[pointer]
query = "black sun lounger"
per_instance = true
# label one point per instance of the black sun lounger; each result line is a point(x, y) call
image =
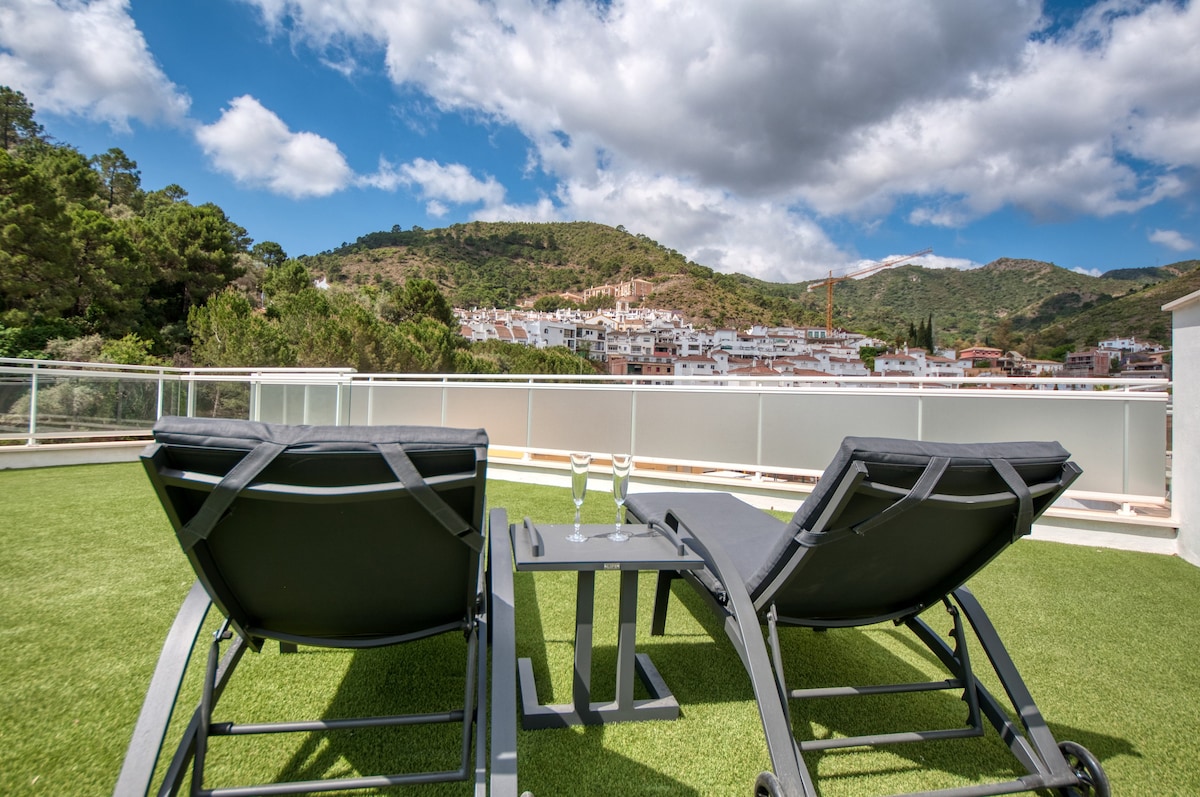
point(893, 527)
point(340, 537)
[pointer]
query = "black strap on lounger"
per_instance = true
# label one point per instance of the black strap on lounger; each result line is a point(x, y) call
point(919, 492)
point(262, 455)
point(1021, 491)
point(425, 495)
point(219, 500)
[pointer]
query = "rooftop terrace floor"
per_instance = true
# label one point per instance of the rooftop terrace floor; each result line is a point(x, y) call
point(91, 576)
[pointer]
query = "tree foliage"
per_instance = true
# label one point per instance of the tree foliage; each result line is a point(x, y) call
point(17, 125)
point(87, 254)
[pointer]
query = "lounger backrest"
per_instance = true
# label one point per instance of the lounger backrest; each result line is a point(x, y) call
point(894, 525)
point(324, 544)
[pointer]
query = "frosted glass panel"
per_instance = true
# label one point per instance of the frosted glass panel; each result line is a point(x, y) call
point(804, 430)
point(396, 404)
point(1092, 429)
point(582, 420)
point(281, 403)
point(709, 427)
point(1147, 448)
point(502, 410)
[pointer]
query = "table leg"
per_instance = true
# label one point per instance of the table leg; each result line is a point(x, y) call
point(626, 635)
point(585, 603)
point(630, 664)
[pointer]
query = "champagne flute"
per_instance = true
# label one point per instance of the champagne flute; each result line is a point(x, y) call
point(579, 477)
point(621, 465)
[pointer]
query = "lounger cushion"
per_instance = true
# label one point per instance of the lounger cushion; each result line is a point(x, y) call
point(747, 534)
point(761, 546)
point(237, 434)
point(277, 560)
point(879, 453)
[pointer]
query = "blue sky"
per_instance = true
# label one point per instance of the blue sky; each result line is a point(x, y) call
point(782, 140)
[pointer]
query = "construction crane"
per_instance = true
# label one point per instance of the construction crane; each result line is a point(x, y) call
point(829, 282)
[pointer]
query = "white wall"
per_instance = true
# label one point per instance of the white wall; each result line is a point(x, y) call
point(1185, 464)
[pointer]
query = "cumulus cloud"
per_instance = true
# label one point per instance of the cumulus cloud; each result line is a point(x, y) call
point(254, 146)
point(440, 185)
point(1172, 239)
point(451, 182)
point(86, 59)
point(718, 228)
point(768, 117)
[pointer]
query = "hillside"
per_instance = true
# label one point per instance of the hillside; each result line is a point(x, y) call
point(105, 269)
point(1140, 313)
point(968, 305)
point(500, 263)
point(1014, 301)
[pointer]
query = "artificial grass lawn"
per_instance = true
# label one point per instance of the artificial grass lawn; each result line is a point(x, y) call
point(91, 576)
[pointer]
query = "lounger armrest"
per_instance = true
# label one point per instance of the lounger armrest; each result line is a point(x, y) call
point(137, 770)
point(502, 620)
point(666, 530)
point(743, 629)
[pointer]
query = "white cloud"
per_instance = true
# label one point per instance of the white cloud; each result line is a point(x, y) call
point(541, 211)
point(714, 227)
point(451, 183)
point(1172, 239)
point(728, 130)
point(254, 146)
point(87, 59)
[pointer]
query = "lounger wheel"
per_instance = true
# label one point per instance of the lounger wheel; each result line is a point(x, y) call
point(1092, 780)
point(767, 785)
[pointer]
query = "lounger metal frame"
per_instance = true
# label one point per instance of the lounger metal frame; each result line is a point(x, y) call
point(1067, 766)
point(137, 772)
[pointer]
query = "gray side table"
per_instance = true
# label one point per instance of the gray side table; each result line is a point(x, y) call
point(546, 548)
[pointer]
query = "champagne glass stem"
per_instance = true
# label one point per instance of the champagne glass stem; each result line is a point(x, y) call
point(621, 466)
point(579, 475)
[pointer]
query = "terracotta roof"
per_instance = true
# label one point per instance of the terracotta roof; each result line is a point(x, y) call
point(754, 370)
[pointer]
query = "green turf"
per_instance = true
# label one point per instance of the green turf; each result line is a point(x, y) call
point(90, 578)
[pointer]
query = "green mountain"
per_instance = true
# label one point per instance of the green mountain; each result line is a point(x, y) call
point(1005, 297)
point(500, 263)
point(1016, 303)
point(103, 268)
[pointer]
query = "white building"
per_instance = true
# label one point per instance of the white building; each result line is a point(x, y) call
point(546, 334)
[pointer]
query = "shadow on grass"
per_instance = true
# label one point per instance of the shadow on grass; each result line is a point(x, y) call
point(428, 676)
point(576, 760)
point(855, 657)
point(416, 677)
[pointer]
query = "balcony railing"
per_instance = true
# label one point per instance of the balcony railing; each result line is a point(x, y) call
point(787, 426)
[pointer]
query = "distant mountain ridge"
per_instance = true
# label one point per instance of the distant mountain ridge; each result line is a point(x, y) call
point(1009, 301)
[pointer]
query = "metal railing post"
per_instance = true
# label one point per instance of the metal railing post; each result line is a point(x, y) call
point(758, 453)
point(633, 394)
point(33, 391)
point(158, 409)
point(529, 415)
point(445, 397)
